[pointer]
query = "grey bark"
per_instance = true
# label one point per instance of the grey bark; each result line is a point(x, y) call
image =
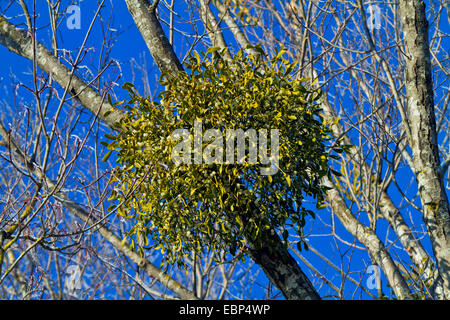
point(387, 208)
point(283, 271)
point(423, 139)
point(412, 245)
point(233, 27)
point(212, 26)
point(144, 15)
point(274, 258)
point(370, 240)
point(389, 211)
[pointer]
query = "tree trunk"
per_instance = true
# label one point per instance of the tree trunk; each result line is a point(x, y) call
point(144, 15)
point(423, 139)
point(282, 269)
point(270, 253)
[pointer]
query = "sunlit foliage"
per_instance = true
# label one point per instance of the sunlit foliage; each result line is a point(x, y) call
point(185, 208)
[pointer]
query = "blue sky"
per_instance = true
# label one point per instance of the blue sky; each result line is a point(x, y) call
point(129, 49)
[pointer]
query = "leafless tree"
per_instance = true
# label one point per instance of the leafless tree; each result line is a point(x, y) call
point(384, 71)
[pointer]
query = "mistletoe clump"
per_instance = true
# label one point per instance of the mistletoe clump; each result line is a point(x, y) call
point(202, 200)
